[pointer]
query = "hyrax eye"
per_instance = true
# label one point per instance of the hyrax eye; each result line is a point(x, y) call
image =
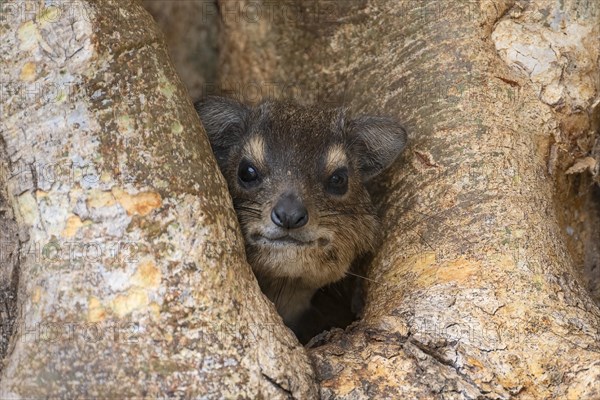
point(338, 182)
point(248, 173)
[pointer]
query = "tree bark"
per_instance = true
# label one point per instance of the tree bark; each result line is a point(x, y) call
point(473, 293)
point(132, 275)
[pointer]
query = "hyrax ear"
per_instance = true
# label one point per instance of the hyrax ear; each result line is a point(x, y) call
point(377, 141)
point(224, 121)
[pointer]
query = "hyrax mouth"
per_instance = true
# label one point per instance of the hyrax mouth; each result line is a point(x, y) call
point(287, 241)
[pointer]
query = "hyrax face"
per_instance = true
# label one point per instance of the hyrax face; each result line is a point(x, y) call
point(296, 175)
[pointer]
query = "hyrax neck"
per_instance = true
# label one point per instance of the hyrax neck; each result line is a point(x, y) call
point(291, 296)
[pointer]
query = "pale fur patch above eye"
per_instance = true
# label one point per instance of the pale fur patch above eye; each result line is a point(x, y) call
point(255, 150)
point(336, 158)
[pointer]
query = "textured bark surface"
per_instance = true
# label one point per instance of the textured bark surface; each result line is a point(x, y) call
point(132, 276)
point(478, 295)
point(557, 48)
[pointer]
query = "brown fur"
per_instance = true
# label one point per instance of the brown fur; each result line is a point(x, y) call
point(296, 150)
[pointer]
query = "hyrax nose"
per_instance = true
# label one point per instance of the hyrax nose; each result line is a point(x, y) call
point(289, 212)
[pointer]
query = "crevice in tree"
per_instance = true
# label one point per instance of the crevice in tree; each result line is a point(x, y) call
point(337, 305)
point(10, 247)
point(578, 208)
point(433, 353)
point(333, 306)
point(191, 31)
point(592, 251)
point(287, 392)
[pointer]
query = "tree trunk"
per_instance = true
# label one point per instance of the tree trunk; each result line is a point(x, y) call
point(473, 293)
point(132, 279)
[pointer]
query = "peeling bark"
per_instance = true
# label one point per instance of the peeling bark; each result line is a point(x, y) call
point(556, 46)
point(477, 294)
point(132, 276)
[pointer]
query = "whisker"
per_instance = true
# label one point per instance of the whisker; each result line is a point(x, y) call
point(333, 214)
point(248, 209)
point(365, 278)
point(241, 201)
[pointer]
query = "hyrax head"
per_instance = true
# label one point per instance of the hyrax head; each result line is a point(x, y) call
point(296, 175)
